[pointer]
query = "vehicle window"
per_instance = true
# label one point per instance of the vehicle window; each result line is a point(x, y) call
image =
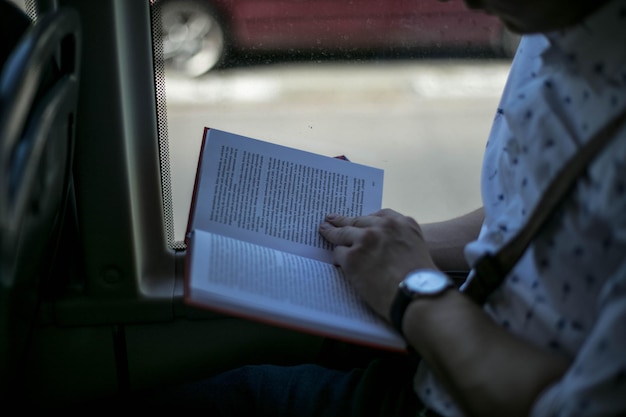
point(408, 86)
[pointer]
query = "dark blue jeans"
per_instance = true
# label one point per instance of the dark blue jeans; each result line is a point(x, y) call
point(382, 388)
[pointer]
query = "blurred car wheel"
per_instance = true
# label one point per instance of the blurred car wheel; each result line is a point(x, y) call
point(193, 37)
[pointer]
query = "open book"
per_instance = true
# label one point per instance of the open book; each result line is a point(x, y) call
point(253, 246)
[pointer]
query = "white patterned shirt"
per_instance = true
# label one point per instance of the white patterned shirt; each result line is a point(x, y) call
point(568, 292)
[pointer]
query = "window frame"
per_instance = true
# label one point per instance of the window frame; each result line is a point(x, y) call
point(130, 273)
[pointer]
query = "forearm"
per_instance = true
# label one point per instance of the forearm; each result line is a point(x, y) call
point(488, 370)
point(446, 240)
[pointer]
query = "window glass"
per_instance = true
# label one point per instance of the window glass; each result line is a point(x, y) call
point(20, 3)
point(407, 86)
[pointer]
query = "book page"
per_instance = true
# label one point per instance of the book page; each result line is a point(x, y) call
point(254, 281)
point(277, 196)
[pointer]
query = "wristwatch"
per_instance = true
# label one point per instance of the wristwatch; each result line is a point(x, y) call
point(417, 284)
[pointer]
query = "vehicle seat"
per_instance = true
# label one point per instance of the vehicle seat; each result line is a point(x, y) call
point(38, 101)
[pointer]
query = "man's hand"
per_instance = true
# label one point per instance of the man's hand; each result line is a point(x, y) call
point(376, 252)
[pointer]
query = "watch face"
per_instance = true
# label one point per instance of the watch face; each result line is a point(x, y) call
point(427, 282)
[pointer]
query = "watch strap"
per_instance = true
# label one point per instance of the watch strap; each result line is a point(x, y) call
point(399, 305)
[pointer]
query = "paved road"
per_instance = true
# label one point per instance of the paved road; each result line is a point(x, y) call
point(423, 122)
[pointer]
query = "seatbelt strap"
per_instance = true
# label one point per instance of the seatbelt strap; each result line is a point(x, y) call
point(491, 269)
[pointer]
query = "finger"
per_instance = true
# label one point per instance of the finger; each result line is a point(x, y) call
point(388, 213)
point(339, 256)
point(340, 235)
point(396, 218)
point(357, 221)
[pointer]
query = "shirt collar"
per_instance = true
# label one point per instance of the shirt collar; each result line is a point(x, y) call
point(596, 47)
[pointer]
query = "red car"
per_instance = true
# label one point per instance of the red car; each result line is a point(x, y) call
point(198, 34)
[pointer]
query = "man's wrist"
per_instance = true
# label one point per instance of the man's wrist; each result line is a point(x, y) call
point(418, 284)
point(426, 314)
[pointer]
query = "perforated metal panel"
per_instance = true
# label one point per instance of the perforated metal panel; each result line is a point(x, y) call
point(161, 108)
